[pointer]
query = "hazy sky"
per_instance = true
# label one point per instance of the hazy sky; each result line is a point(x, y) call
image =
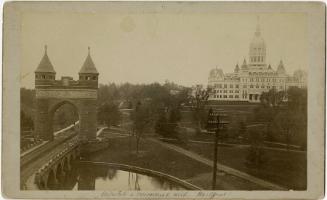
point(141, 47)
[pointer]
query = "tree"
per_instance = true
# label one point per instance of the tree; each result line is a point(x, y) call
point(26, 122)
point(168, 127)
point(109, 114)
point(142, 119)
point(272, 98)
point(161, 125)
point(255, 155)
point(199, 101)
point(285, 113)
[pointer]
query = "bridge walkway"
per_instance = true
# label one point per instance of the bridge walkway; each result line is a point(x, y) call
point(33, 161)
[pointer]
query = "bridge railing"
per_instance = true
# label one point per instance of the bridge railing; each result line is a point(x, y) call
point(70, 127)
point(37, 142)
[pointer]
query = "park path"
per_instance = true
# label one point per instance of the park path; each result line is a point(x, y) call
point(221, 167)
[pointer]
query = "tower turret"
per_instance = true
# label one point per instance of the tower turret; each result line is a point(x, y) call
point(244, 65)
point(88, 74)
point(45, 73)
point(280, 68)
point(237, 68)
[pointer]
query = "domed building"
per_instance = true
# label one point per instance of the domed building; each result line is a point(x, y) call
point(249, 80)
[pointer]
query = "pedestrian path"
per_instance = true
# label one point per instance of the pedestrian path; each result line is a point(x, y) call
point(221, 167)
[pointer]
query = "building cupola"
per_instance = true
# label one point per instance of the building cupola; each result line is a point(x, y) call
point(45, 71)
point(257, 51)
point(88, 73)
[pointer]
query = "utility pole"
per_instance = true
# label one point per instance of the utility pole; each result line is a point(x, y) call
point(213, 125)
point(214, 175)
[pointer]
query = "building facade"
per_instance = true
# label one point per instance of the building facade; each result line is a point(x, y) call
point(253, 77)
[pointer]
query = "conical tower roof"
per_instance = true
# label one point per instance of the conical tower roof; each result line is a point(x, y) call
point(45, 64)
point(244, 65)
point(88, 66)
point(280, 68)
point(237, 68)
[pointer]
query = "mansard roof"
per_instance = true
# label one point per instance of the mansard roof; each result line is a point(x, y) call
point(88, 66)
point(45, 65)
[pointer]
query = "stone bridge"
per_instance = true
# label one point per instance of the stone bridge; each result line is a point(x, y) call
point(55, 170)
point(47, 165)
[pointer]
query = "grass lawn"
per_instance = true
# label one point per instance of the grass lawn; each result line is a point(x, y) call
point(150, 156)
point(156, 157)
point(287, 169)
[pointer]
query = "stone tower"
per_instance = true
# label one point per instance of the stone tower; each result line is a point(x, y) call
point(52, 94)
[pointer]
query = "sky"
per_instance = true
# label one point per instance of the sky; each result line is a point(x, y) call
point(146, 47)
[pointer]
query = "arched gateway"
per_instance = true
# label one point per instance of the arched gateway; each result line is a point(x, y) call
point(52, 93)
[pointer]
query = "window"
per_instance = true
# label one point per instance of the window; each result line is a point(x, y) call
point(244, 86)
point(251, 86)
point(225, 85)
point(257, 86)
point(230, 96)
point(236, 96)
point(237, 91)
point(43, 76)
point(236, 86)
point(94, 78)
point(231, 85)
point(262, 86)
point(219, 85)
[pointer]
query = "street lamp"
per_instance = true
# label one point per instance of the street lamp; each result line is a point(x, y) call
point(214, 124)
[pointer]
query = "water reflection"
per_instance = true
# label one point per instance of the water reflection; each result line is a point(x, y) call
point(97, 177)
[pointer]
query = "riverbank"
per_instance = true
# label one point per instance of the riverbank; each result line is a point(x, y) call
point(156, 157)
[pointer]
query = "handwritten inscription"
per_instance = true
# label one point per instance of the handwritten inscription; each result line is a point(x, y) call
point(162, 195)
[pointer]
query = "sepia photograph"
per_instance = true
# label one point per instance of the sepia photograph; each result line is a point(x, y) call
point(164, 97)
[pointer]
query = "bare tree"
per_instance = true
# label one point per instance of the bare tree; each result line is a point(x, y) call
point(199, 100)
point(142, 120)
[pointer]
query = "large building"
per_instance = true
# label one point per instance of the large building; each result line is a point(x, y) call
point(253, 77)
